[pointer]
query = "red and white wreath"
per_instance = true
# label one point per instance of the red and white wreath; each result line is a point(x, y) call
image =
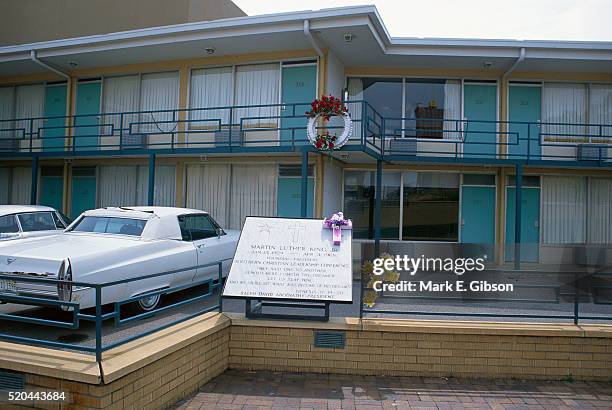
point(324, 108)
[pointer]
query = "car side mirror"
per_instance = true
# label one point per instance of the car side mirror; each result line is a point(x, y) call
point(219, 232)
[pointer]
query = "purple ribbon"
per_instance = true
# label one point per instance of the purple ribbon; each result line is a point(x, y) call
point(337, 223)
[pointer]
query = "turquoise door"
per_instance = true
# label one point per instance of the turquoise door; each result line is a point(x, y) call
point(478, 221)
point(289, 197)
point(530, 224)
point(87, 110)
point(480, 103)
point(299, 85)
point(54, 128)
point(83, 194)
point(51, 191)
point(524, 106)
point(478, 214)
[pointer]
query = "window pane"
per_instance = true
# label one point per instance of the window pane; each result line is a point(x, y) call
point(122, 226)
point(431, 207)
point(8, 224)
point(37, 221)
point(196, 227)
point(384, 95)
point(359, 202)
point(359, 198)
point(428, 101)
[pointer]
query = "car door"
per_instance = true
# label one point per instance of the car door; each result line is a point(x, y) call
point(211, 244)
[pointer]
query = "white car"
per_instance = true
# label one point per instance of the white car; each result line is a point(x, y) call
point(110, 244)
point(25, 221)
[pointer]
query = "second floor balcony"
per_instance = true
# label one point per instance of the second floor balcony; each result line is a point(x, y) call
point(282, 128)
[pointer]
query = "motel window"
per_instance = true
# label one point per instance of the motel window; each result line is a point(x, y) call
point(429, 212)
point(427, 102)
point(359, 197)
point(571, 107)
point(576, 210)
point(145, 92)
point(254, 85)
point(430, 207)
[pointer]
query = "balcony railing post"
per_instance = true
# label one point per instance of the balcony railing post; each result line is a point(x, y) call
point(151, 187)
point(121, 131)
point(378, 207)
point(528, 141)
point(220, 287)
point(576, 298)
point(231, 126)
point(518, 187)
point(34, 187)
point(31, 134)
point(98, 323)
point(304, 206)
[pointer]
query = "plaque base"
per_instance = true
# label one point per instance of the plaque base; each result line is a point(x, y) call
point(254, 310)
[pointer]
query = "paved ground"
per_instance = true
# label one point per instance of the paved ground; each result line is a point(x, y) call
point(265, 390)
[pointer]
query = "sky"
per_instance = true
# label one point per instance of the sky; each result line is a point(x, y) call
point(500, 19)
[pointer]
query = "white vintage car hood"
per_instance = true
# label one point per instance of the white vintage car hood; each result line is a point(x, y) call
point(44, 255)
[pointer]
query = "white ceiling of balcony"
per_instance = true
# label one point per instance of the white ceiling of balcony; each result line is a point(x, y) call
point(371, 46)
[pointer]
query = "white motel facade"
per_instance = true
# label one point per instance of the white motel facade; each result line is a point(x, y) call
point(210, 115)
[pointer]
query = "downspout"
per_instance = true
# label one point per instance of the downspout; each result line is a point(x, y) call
point(68, 123)
point(34, 58)
point(502, 214)
point(518, 61)
point(313, 41)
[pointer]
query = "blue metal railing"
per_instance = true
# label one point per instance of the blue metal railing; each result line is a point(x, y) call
point(282, 127)
point(100, 315)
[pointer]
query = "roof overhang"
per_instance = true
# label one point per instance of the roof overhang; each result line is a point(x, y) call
point(372, 46)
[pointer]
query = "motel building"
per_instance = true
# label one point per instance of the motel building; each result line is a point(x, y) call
point(498, 148)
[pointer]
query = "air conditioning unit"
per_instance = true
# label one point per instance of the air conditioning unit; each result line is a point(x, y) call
point(403, 145)
point(590, 152)
point(222, 137)
point(9, 145)
point(134, 141)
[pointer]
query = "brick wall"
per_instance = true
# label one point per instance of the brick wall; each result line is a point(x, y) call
point(405, 353)
point(157, 385)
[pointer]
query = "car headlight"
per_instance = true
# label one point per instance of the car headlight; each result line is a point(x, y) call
point(64, 290)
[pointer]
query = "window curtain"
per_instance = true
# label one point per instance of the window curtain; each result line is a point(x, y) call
point(21, 184)
point(600, 112)
point(7, 95)
point(355, 91)
point(165, 185)
point(122, 186)
point(563, 209)
point(29, 103)
point(452, 110)
point(159, 91)
point(5, 184)
point(564, 103)
point(208, 189)
point(253, 192)
point(600, 211)
point(121, 95)
point(210, 87)
point(258, 85)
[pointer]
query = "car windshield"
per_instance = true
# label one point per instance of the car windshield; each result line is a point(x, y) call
point(37, 221)
point(104, 224)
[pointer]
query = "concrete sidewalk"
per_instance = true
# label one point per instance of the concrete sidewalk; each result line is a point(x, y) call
point(266, 390)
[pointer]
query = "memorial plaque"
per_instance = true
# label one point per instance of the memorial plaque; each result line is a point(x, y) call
point(283, 258)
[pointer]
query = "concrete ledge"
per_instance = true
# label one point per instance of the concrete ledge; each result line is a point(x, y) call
point(347, 323)
point(472, 327)
point(50, 362)
point(132, 356)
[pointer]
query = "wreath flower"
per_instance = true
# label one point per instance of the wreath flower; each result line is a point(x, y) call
point(326, 107)
point(367, 273)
